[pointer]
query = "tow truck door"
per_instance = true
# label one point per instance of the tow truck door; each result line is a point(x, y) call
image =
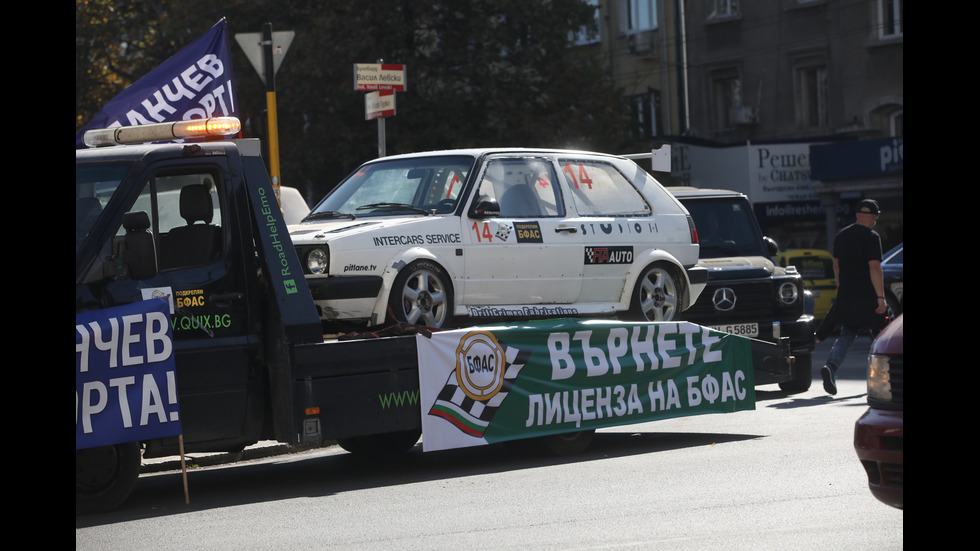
point(215, 331)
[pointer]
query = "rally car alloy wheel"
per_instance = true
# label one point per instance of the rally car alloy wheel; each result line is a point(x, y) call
point(422, 295)
point(656, 296)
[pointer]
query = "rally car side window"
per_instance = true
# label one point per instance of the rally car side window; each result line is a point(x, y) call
point(523, 188)
point(598, 189)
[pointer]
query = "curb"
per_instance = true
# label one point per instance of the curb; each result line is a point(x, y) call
point(195, 460)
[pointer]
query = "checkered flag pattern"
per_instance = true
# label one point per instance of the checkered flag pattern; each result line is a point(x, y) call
point(473, 416)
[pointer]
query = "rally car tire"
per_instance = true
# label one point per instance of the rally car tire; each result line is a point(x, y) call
point(105, 476)
point(657, 295)
point(422, 295)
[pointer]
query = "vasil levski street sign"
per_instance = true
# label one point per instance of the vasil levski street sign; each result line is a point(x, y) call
point(379, 76)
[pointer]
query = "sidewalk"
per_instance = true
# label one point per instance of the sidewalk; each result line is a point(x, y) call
point(259, 450)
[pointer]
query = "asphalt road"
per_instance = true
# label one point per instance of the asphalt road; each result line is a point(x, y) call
point(784, 476)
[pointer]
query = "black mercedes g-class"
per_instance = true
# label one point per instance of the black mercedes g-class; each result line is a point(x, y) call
point(747, 293)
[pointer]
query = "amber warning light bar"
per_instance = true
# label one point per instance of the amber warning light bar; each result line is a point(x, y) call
point(215, 127)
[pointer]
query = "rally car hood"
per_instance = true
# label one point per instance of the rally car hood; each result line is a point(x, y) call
point(738, 267)
point(325, 230)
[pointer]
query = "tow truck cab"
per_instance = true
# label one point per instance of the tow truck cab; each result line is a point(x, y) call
point(176, 219)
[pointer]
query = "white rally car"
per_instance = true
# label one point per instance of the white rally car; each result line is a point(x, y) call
point(493, 234)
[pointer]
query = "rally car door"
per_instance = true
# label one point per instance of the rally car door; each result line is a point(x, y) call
point(528, 254)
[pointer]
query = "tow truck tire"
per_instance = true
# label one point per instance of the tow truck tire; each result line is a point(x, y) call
point(379, 445)
point(105, 476)
point(422, 295)
point(571, 443)
point(803, 376)
point(657, 295)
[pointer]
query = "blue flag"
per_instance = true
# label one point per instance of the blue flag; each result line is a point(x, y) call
point(125, 375)
point(196, 83)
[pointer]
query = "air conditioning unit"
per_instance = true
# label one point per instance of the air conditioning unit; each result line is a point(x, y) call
point(640, 44)
point(743, 114)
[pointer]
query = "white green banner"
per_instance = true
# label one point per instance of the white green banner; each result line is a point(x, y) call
point(503, 382)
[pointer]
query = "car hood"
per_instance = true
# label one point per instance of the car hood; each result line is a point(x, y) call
point(325, 230)
point(739, 267)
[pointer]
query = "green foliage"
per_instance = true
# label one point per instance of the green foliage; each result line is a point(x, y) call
point(479, 73)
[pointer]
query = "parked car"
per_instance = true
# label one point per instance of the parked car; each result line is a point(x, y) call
point(891, 265)
point(488, 234)
point(817, 269)
point(878, 435)
point(747, 293)
point(294, 207)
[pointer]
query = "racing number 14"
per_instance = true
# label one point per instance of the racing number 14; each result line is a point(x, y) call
point(486, 234)
point(583, 175)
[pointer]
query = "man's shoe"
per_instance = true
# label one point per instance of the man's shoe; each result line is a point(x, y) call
point(828, 380)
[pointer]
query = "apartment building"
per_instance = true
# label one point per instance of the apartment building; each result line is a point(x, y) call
point(797, 103)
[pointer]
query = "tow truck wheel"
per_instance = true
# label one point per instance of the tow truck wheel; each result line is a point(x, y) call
point(802, 376)
point(423, 295)
point(379, 445)
point(570, 443)
point(105, 476)
point(656, 295)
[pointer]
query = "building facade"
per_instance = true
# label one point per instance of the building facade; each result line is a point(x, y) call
point(775, 98)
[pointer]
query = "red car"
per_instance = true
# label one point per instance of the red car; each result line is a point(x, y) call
point(878, 434)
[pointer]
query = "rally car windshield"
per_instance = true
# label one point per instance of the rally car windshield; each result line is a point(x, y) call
point(421, 185)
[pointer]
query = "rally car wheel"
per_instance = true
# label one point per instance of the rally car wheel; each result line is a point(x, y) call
point(656, 296)
point(422, 295)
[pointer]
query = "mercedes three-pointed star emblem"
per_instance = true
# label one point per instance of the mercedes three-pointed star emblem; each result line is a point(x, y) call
point(724, 299)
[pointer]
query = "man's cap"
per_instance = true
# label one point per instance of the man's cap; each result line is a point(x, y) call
point(868, 206)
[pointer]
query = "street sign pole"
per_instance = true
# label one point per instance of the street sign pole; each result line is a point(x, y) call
point(265, 51)
point(270, 100)
point(382, 149)
point(381, 137)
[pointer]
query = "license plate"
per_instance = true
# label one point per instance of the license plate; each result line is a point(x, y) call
point(742, 329)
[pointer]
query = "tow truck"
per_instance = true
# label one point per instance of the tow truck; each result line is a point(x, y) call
point(197, 223)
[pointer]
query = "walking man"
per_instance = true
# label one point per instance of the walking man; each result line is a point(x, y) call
point(860, 303)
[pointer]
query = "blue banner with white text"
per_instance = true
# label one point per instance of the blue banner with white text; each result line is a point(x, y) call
point(196, 83)
point(125, 375)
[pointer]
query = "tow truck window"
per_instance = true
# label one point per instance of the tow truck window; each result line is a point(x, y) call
point(185, 218)
point(94, 186)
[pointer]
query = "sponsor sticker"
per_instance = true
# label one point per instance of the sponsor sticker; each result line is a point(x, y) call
point(609, 255)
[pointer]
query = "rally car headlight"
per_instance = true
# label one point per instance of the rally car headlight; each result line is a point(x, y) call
point(788, 293)
point(317, 261)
